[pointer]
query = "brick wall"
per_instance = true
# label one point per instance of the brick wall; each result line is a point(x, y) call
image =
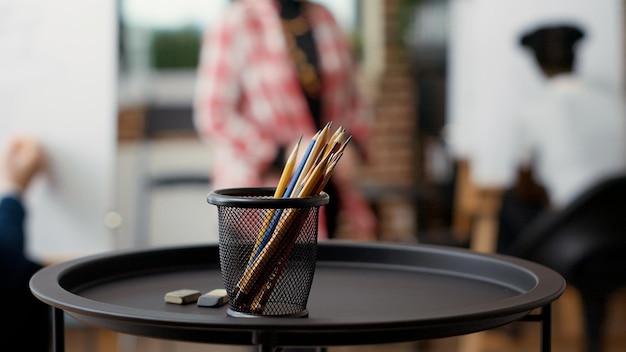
point(393, 165)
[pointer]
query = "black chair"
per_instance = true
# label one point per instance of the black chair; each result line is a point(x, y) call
point(586, 244)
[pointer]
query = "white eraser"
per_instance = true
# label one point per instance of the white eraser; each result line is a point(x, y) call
point(215, 298)
point(182, 296)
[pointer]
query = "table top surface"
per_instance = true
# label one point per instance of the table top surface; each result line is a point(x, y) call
point(362, 293)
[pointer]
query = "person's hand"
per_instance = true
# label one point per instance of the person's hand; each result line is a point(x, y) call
point(21, 160)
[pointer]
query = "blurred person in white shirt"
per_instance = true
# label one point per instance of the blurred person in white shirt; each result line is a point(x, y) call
point(568, 139)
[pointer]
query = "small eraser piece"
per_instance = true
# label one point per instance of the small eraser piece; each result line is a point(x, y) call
point(182, 296)
point(214, 298)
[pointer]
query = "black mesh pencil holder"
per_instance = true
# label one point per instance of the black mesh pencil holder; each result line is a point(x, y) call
point(267, 250)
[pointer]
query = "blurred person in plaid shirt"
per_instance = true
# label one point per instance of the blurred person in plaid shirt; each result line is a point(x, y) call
point(271, 71)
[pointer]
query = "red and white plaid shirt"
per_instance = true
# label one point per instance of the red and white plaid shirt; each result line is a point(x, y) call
point(248, 98)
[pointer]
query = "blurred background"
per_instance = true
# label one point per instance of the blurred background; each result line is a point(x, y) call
point(436, 71)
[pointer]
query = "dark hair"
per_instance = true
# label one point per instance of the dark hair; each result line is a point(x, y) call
point(553, 45)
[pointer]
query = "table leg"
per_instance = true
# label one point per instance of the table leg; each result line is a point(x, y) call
point(58, 330)
point(545, 319)
point(265, 341)
point(546, 328)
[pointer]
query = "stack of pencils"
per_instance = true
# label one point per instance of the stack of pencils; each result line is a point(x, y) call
point(305, 178)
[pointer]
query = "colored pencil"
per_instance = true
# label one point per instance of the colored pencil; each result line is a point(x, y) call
point(307, 179)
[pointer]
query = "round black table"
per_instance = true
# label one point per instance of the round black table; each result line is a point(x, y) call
point(362, 293)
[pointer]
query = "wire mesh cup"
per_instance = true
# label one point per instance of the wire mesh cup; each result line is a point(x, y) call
point(267, 250)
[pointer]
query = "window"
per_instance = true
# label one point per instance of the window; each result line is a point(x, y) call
point(162, 35)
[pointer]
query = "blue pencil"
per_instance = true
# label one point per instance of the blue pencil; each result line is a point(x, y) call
point(296, 175)
point(270, 229)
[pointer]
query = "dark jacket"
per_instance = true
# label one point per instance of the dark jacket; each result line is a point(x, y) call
point(24, 315)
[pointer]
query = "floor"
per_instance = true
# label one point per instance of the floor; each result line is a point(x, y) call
point(494, 341)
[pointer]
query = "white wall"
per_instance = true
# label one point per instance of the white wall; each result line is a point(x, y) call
point(57, 82)
point(490, 74)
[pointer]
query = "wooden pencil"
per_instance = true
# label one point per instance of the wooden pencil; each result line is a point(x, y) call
point(285, 177)
point(279, 192)
point(320, 141)
point(296, 175)
point(307, 179)
point(316, 175)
